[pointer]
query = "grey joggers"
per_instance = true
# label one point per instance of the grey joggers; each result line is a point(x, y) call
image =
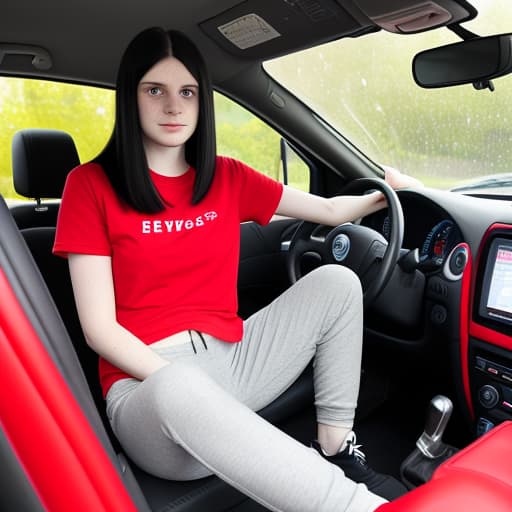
point(195, 416)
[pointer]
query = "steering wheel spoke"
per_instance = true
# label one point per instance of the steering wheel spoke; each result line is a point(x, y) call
point(374, 256)
point(310, 242)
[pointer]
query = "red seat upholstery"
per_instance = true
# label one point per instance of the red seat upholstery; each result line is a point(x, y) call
point(476, 479)
point(490, 454)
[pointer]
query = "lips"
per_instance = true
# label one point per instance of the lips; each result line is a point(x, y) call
point(172, 126)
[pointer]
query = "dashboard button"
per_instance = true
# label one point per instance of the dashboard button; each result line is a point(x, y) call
point(507, 393)
point(483, 426)
point(438, 288)
point(506, 405)
point(507, 377)
point(438, 314)
point(480, 363)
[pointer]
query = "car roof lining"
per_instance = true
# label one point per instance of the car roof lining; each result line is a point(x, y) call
point(74, 36)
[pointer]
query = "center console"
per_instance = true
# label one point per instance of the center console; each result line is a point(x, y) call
point(489, 344)
point(477, 478)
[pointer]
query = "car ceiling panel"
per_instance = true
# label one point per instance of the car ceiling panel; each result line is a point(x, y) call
point(86, 39)
point(85, 46)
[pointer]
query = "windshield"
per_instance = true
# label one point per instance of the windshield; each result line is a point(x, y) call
point(363, 87)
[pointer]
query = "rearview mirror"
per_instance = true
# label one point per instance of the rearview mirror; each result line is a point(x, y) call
point(473, 61)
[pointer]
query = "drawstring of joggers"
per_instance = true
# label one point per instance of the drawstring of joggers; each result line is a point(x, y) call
point(192, 340)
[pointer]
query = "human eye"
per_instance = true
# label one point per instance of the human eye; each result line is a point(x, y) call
point(154, 91)
point(188, 92)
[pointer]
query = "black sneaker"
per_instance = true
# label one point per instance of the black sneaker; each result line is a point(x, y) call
point(353, 463)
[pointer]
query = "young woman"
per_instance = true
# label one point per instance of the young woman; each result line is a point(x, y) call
point(151, 231)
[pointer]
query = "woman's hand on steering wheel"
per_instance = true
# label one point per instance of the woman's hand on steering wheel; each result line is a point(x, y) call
point(363, 250)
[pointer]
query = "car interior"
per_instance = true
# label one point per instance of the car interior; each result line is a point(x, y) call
point(435, 406)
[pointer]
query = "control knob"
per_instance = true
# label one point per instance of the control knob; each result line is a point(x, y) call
point(488, 396)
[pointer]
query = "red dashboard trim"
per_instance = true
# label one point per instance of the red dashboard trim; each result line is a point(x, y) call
point(478, 330)
point(52, 439)
point(468, 327)
point(490, 336)
point(464, 318)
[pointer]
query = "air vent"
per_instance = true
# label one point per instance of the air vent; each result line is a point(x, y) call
point(456, 263)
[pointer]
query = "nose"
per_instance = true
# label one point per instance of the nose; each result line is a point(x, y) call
point(172, 106)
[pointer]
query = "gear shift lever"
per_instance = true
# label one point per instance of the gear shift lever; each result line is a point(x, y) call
point(430, 451)
point(430, 443)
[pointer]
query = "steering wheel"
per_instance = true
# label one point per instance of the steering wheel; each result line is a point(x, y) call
point(362, 249)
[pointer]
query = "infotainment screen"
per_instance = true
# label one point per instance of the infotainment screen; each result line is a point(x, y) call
point(496, 297)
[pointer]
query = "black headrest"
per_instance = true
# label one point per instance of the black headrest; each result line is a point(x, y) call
point(41, 160)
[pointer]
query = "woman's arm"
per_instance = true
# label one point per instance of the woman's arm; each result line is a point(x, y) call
point(337, 210)
point(330, 211)
point(93, 289)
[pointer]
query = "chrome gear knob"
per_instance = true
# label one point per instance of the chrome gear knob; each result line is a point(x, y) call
point(430, 443)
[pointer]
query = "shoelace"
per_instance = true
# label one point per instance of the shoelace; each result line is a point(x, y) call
point(354, 449)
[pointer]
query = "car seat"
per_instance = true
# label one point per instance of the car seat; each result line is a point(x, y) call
point(41, 160)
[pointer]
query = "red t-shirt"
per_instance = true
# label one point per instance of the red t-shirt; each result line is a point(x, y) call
point(174, 270)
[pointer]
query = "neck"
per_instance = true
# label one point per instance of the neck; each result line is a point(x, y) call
point(168, 161)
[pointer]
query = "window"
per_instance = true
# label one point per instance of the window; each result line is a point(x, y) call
point(86, 113)
point(244, 136)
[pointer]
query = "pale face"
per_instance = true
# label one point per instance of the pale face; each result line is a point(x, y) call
point(168, 105)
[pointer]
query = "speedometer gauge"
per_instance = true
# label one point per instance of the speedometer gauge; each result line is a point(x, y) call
point(438, 243)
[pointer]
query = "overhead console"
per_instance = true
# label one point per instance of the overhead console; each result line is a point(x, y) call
point(408, 17)
point(489, 353)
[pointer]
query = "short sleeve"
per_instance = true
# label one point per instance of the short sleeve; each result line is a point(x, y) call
point(81, 224)
point(259, 194)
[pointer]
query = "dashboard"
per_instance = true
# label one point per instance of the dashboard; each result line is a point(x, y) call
point(464, 316)
point(427, 228)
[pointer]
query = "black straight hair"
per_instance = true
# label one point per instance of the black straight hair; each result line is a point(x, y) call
point(123, 159)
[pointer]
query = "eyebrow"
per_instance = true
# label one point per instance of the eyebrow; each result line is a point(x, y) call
point(163, 85)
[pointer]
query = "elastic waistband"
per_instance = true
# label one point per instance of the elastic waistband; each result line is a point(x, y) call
point(181, 338)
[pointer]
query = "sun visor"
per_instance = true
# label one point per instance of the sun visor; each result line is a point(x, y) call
point(268, 28)
point(409, 17)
